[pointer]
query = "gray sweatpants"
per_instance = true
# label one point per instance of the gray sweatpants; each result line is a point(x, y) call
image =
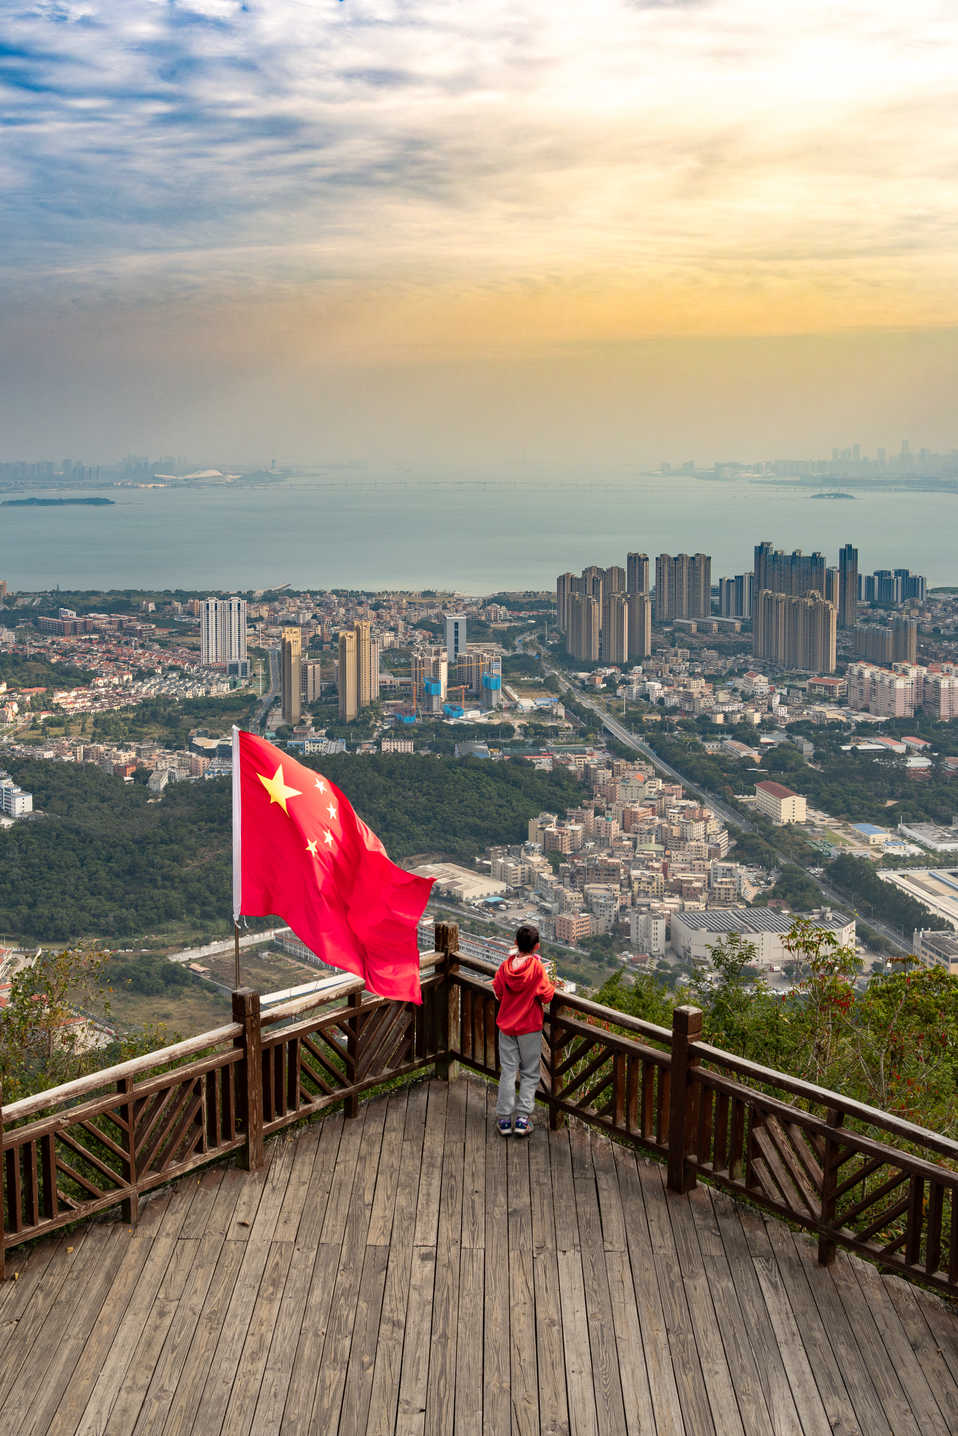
point(518, 1056)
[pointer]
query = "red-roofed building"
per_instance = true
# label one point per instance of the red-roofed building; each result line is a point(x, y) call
point(780, 803)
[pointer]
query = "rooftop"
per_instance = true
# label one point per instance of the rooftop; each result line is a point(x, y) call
point(752, 919)
point(409, 1271)
point(775, 790)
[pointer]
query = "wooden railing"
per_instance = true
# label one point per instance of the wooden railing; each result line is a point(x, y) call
point(107, 1138)
point(856, 1177)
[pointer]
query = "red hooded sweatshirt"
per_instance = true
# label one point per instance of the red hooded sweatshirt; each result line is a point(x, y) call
point(522, 988)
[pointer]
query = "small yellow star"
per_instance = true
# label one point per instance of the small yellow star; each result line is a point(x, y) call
point(332, 810)
point(320, 785)
point(311, 847)
point(278, 790)
point(329, 838)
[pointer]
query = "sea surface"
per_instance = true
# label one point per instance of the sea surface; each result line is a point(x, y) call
point(475, 534)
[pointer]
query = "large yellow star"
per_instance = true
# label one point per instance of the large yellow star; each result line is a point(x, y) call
point(277, 789)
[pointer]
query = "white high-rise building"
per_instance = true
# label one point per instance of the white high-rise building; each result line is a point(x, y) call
point(223, 634)
point(14, 802)
point(455, 635)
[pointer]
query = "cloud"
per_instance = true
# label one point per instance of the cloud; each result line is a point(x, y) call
point(153, 149)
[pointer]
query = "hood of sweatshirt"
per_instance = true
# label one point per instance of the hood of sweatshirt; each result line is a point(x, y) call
point(519, 970)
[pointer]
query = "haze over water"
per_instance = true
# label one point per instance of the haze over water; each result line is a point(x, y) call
point(474, 534)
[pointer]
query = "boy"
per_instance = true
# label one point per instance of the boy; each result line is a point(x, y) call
point(522, 987)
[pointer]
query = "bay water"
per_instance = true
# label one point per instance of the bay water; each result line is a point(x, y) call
point(474, 534)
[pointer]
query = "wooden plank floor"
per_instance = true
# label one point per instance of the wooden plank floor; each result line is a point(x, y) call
point(410, 1271)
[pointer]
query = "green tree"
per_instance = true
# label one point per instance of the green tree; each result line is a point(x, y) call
point(818, 1022)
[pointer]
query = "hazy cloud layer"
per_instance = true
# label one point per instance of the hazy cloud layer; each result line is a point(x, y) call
point(459, 228)
point(159, 149)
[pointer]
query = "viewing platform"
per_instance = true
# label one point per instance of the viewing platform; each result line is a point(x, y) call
point(393, 1265)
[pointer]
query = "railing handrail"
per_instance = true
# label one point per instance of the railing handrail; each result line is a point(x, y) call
point(769, 1076)
point(581, 1004)
point(133, 1067)
point(707, 1112)
point(826, 1097)
point(345, 988)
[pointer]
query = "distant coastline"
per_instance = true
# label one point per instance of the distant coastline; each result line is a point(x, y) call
point(835, 495)
point(52, 503)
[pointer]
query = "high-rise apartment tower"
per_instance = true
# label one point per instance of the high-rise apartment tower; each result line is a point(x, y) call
point(794, 573)
point(683, 586)
point(847, 586)
point(795, 630)
point(223, 633)
point(292, 677)
point(640, 625)
point(583, 636)
point(615, 628)
point(637, 573)
point(455, 635)
point(347, 678)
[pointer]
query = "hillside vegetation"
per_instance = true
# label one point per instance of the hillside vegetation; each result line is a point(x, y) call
point(103, 861)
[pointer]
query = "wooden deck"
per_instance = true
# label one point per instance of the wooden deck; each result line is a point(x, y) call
point(410, 1271)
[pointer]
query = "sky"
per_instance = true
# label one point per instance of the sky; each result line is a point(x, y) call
point(477, 233)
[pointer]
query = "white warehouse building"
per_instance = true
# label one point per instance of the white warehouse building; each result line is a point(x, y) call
point(693, 933)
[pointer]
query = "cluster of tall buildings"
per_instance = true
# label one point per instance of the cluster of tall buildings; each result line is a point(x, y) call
point(891, 586)
point(301, 677)
point(798, 605)
point(900, 691)
point(440, 685)
point(606, 613)
point(735, 596)
point(895, 642)
point(223, 634)
point(357, 675)
point(795, 630)
point(798, 574)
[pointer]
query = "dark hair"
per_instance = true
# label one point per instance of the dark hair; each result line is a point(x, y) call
point(527, 938)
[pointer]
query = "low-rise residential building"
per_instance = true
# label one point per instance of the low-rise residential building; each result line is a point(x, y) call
point(779, 803)
point(572, 927)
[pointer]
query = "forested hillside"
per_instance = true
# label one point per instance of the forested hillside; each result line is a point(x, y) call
point(104, 861)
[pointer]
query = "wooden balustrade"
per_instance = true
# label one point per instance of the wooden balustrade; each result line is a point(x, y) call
point(859, 1178)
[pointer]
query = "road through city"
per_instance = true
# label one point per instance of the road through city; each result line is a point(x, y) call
point(728, 815)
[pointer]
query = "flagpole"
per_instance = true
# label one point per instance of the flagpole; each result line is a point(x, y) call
point(237, 857)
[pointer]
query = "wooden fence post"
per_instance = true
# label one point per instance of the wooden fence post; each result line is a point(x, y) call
point(686, 1029)
point(355, 1002)
point(3, 1202)
point(131, 1205)
point(446, 941)
point(826, 1247)
point(246, 1011)
point(557, 1118)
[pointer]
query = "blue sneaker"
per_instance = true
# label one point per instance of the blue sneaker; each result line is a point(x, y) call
point(504, 1126)
point(522, 1127)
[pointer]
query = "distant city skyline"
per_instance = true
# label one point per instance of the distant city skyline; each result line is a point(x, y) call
point(457, 235)
point(91, 469)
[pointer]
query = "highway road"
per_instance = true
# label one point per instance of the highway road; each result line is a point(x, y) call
point(272, 693)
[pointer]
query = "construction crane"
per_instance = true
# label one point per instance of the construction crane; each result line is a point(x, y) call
point(413, 685)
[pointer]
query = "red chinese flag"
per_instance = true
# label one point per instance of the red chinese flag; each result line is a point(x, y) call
point(301, 852)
